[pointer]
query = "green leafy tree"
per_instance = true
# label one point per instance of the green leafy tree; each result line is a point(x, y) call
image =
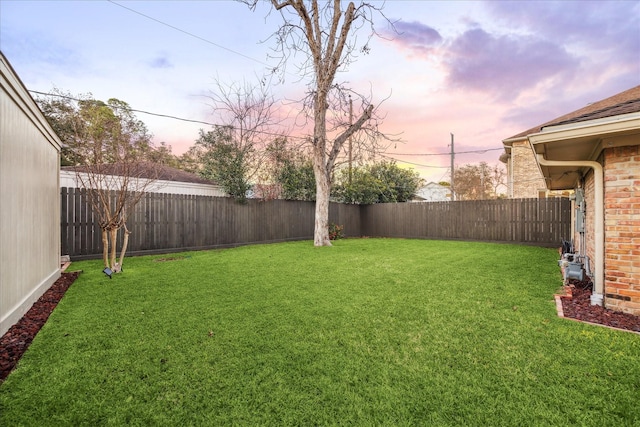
point(400, 184)
point(382, 182)
point(62, 113)
point(297, 180)
point(163, 155)
point(225, 161)
point(292, 171)
point(192, 159)
point(362, 189)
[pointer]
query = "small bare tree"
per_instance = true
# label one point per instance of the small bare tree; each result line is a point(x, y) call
point(108, 149)
point(324, 33)
point(113, 190)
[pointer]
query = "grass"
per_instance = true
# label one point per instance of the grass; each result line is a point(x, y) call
point(368, 332)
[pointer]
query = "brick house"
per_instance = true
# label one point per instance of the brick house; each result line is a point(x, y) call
point(597, 149)
point(524, 179)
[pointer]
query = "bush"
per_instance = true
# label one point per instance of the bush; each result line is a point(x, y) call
point(335, 231)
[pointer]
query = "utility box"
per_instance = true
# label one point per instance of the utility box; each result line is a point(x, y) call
point(574, 270)
point(580, 221)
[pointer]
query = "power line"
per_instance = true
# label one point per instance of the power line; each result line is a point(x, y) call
point(414, 164)
point(188, 33)
point(448, 154)
point(130, 109)
point(173, 27)
point(168, 116)
point(163, 115)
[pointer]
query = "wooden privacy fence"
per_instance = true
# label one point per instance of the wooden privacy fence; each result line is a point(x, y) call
point(542, 222)
point(174, 222)
point(169, 222)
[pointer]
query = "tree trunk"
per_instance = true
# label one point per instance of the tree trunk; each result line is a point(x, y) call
point(113, 234)
point(323, 192)
point(125, 242)
point(105, 248)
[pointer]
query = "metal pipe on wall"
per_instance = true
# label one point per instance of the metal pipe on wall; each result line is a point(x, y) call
point(597, 297)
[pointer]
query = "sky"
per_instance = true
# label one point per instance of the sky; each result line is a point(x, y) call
point(480, 70)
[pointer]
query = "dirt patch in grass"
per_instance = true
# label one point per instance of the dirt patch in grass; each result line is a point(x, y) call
point(177, 258)
point(17, 339)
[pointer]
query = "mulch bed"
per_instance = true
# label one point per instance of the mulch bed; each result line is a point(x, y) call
point(577, 305)
point(18, 338)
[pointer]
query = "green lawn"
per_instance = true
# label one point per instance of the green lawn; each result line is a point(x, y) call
point(367, 332)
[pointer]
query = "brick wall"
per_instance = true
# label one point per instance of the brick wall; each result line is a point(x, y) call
point(622, 228)
point(527, 179)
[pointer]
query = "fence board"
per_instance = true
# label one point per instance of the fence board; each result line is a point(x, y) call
point(543, 222)
point(166, 222)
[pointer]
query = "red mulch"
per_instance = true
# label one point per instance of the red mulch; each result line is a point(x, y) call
point(18, 338)
point(578, 306)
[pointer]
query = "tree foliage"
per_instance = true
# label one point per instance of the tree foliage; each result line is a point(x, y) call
point(111, 152)
point(478, 181)
point(382, 182)
point(192, 160)
point(225, 161)
point(163, 155)
point(292, 171)
point(297, 180)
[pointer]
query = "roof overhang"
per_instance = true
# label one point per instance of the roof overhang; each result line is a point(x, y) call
point(581, 141)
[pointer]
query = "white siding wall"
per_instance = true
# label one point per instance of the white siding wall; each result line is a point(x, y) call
point(433, 192)
point(29, 201)
point(69, 179)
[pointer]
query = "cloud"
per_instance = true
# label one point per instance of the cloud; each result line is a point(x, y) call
point(504, 66)
point(160, 62)
point(602, 37)
point(524, 47)
point(606, 28)
point(561, 101)
point(416, 36)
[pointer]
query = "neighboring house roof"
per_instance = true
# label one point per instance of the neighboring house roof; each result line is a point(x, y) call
point(621, 103)
point(433, 192)
point(155, 178)
point(148, 171)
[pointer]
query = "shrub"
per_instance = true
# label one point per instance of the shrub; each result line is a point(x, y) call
point(335, 231)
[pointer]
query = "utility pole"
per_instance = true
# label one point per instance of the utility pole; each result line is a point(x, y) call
point(453, 155)
point(350, 140)
point(482, 181)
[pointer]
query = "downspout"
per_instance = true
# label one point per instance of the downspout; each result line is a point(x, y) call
point(597, 297)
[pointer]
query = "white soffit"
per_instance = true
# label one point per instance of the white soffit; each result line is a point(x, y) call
point(580, 141)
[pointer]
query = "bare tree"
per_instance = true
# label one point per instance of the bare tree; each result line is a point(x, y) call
point(233, 152)
point(498, 179)
point(108, 148)
point(478, 181)
point(324, 33)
